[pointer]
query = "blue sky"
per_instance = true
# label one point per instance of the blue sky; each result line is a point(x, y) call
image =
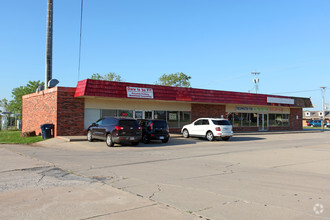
point(218, 43)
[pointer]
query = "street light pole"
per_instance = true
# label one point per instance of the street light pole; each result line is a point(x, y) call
point(49, 43)
point(323, 107)
point(255, 80)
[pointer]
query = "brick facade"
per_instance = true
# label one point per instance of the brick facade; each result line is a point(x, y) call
point(70, 114)
point(207, 110)
point(60, 107)
point(54, 106)
point(296, 124)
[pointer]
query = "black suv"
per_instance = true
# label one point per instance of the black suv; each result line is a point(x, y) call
point(115, 130)
point(154, 129)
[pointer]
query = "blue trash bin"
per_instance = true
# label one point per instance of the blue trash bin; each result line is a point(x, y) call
point(47, 130)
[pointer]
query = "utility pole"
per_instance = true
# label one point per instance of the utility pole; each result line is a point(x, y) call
point(323, 107)
point(256, 81)
point(49, 43)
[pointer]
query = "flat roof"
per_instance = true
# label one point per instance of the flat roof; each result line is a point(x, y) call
point(112, 89)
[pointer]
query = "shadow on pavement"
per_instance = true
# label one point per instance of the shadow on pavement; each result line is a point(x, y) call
point(178, 141)
point(171, 142)
point(186, 141)
point(238, 139)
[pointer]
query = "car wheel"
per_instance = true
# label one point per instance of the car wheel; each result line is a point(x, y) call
point(209, 136)
point(90, 136)
point(225, 138)
point(109, 140)
point(312, 125)
point(165, 140)
point(135, 143)
point(185, 133)
point(145, 139)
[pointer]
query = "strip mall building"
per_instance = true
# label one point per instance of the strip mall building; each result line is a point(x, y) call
point(72, 110)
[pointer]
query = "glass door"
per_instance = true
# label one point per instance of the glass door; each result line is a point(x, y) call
point(263, 122)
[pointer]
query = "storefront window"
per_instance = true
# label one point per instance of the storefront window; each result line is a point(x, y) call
point(243, 119)
point(253, 119)
point(278, 120)
point(160, 115)
point(108, 112)
point(125, 113)
point(173, 119)
point(184, 118)
point(285, 120)
point(236, 121)
point(138, 114)
point(272, 120)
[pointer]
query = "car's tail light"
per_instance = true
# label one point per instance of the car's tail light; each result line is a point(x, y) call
point(151, 126)
point(140, 128)
point(218, 129)
point(119, 128)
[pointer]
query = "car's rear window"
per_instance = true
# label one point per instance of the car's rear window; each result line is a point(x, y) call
point(159, 124)
point(221, 122)
point(131, 123)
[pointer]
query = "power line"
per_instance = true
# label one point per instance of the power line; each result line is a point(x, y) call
point(81, 19)
point(295, 91)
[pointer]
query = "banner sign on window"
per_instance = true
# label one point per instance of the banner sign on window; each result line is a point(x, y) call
point(142, 93)
point(172, 116)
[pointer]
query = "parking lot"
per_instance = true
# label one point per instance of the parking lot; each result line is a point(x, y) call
point(268, 176)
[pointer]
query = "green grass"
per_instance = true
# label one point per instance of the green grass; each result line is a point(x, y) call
point(14, 137)
point(317, 128)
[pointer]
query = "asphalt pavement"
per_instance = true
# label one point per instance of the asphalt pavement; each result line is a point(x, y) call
point(254, 176)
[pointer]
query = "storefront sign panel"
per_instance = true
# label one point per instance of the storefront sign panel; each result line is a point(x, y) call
point(142, 93)
point(260, 109)
point(280, 100)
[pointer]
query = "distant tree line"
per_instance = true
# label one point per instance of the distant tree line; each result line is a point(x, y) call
point(15, 105)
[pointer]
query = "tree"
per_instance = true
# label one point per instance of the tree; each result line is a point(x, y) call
point(4, 105)
point(15, 105)
point(108, 77)
point(174, 79)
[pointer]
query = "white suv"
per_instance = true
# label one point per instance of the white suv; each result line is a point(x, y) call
point(210, 128)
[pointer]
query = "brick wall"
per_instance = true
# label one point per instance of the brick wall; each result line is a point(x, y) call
point(54, 106)
point(39, 108)
point(70, 113)
point(206, 111)
point(296, 124)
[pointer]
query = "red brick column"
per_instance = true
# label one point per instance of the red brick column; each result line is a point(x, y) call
point(206, 111)
point(70, 113)
point(296, 124)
